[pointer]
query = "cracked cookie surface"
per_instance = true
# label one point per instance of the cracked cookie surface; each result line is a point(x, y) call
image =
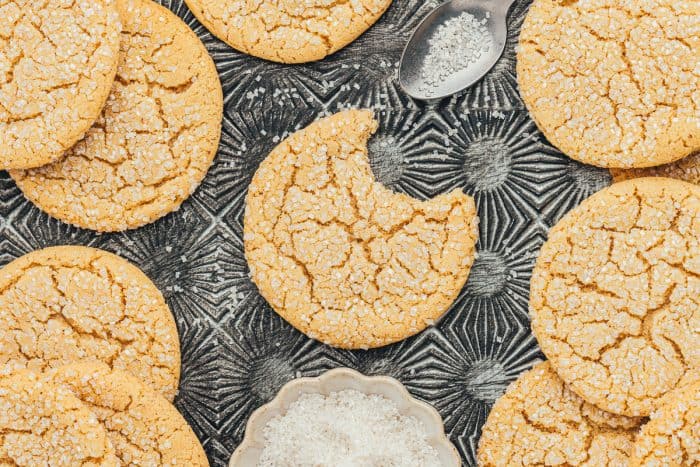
point(45, 424)
point(615, 294)
point(288, 31)
point(614, 83)
point(686, 169)
point(540, 421)
point(342, 258)
point(57, 64)
point(155, 139)
point(144, 428)
point(672, 436)
point(65, 304)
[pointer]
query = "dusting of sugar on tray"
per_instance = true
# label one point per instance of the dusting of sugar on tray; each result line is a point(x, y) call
point(343, 429)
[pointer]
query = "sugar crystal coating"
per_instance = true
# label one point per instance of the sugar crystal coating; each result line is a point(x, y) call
point(614, 83)
point(288, 31)
point(342, 258)
point(144, 428)
point(57, 64)
point(64, 304)
point(615, 294)
point(45, 424)
point(155, 139)
point(540, 421)
point(672, 436)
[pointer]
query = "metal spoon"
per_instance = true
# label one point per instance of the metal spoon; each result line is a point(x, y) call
point(413, 58)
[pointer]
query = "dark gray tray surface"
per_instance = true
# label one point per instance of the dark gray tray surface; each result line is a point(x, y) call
point(236, 351)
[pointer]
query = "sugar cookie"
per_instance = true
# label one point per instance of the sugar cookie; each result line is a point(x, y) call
point(342, 258)
point(288, 32)
point(144, 428)
point(672, 436)
point(614, 83)
point(70, 303)
point(615, 294)
point(45, 424)
point(539, 421)
point(155, 140)
point(57, 65)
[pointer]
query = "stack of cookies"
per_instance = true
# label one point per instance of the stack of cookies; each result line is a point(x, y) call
point(615, 293)
point(110, 116)
point(615, 308)
point(110, 110)
point(89, 365)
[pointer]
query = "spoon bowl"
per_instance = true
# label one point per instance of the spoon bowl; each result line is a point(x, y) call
point(413, 60)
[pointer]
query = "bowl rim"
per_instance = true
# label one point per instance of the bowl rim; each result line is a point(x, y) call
point(258, 419)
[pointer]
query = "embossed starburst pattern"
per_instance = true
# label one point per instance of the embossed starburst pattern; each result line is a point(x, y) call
point(403, 149)
point(566, 184)
point(237, 352)
point(198, 394)
point(10, 197)
point(259, 353)
point(495, 155)
point(500, 278)
point(467, 367)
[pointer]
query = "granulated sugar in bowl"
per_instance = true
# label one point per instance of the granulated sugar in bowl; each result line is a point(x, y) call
point(346, 429)
point(341, 419)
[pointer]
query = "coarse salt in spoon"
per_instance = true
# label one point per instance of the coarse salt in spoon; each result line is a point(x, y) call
point(454, 47)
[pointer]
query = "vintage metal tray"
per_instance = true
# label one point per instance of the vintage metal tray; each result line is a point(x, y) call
point(236, 351)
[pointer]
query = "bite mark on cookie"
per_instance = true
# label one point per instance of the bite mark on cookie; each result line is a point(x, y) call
point(343, 258)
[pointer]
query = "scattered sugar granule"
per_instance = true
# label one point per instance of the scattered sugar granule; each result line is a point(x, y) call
point(346, 429)
point(455, 44)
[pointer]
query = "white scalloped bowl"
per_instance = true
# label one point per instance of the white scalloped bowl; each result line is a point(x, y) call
point(248, 452)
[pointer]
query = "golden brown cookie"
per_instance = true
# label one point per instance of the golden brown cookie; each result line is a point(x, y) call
point(539, 421)
point(57, 65)
point(687, 169)
point(614, 83)
point(615, 294)
point(145, 429)
point(342, 258)
point(45, 424)
point(288, 31)
point(155, 140)
point(64, 304)
point(672, 436)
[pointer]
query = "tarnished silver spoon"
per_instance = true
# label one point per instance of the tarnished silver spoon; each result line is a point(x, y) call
point(412, 74)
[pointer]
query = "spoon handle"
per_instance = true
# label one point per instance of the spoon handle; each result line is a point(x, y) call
point(506, 4)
